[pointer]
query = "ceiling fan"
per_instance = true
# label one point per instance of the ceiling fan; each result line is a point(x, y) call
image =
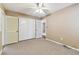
point(41, 8)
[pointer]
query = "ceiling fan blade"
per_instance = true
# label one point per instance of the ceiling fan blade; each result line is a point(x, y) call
point(48, 9)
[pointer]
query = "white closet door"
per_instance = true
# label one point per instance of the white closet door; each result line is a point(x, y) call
point(39, 28)
point(12, 29)
point(26, 28)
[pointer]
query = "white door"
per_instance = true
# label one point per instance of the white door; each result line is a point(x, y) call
point(26, 28)
point(12, 29)
point(39, 28)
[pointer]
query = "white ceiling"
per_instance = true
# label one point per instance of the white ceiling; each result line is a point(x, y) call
point(29, 8)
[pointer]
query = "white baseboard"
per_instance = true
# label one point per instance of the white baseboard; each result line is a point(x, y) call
point(63, 44)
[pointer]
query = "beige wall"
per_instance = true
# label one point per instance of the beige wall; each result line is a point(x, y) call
point(63, 26)
point(1, 6)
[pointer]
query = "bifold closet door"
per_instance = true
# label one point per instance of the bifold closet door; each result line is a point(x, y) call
point(12, 29)
point(26, 28)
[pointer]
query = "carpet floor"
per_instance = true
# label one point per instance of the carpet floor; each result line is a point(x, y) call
point(37, 47)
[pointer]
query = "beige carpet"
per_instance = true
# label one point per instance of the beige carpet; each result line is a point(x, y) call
point(37, 47)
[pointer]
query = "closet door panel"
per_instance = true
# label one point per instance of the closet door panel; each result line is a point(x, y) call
point(26, 28)
point(12, 29)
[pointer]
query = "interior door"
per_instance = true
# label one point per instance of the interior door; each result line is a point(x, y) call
point(12, 29)
point(39, 28)
point(26, 28)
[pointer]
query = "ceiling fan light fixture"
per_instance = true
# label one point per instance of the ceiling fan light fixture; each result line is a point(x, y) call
point(40, 11)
